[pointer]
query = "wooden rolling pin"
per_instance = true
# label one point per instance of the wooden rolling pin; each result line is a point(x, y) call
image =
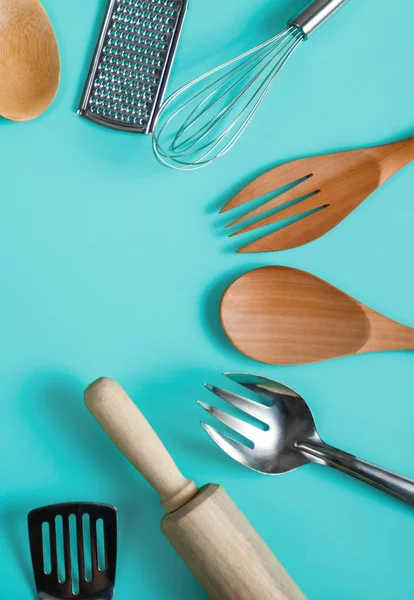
point(212, 536)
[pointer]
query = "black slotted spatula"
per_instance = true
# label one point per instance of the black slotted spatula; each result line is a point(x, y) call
point(73, 548)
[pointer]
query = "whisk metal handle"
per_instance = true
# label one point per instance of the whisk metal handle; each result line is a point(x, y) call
point(316, 14)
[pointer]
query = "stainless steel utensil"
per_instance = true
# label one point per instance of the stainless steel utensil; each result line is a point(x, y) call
point(132, 63)
point(73, 548)
point(205, 118)
point(290, 438)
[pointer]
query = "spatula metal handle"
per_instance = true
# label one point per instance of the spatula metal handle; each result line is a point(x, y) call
point(386, 481)
point(133, 435)
point(316, 14)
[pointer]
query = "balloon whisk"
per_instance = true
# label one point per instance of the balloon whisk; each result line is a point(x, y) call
point(204, 119)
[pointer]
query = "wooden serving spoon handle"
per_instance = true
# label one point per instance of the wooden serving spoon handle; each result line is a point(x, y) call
point(386, 334)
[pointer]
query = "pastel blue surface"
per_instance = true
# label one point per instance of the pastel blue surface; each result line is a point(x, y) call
point(113, 265)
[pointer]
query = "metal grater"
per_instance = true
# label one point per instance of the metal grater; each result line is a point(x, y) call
point(132, 63)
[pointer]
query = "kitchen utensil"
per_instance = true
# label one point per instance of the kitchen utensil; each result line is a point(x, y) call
point(323, 191)
point(284, 316)
point(206, 528)
point(290, 439)
point(132, 63)
point(30, 63)
point(205, 118)
point(73, 548)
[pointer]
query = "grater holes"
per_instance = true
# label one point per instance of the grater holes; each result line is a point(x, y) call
point(133, 58)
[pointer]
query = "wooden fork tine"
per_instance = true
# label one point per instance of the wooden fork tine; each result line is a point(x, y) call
point(301, 189)
point(310, 203)
point(270, 181)
point(296, 234)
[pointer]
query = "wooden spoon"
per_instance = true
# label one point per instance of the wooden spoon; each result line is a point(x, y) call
point(29, 60)
point(284, 316)
point(323, 191)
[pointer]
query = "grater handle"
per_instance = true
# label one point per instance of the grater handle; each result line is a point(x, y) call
point(316, 14)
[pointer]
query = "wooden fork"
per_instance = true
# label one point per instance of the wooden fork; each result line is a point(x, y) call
point(323, 191)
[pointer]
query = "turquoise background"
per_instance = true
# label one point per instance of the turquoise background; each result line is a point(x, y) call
point(113, 265)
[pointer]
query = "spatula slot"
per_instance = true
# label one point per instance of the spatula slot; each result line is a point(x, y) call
point(86, 528)
point(74, 557)
point(47, 563)
point(61, 566)
point(100, 534)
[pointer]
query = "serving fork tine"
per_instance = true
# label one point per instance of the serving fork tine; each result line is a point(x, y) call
point(323, 190)
point(289, 438)
point(252, 408)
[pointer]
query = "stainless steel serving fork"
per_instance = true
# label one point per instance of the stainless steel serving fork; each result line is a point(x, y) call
point(285, 436)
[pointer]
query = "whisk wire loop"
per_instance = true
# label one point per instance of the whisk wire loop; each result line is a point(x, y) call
point(270, 80)
point(217, 115)
point(216, 142)
point(224, 78)
point(248, 66)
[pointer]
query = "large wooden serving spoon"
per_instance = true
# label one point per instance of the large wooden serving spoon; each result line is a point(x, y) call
point(284, 316)
point(29, 60)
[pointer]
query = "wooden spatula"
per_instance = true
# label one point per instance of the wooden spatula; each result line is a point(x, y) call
point(284, 316)
point(323, 191)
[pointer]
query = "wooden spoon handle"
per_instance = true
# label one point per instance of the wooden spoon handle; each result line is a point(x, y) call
point(386, 334)
point(134, 436)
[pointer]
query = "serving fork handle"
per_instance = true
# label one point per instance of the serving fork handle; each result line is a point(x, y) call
point(386, 481)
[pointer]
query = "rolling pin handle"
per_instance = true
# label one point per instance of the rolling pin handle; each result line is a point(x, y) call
point(133, 435)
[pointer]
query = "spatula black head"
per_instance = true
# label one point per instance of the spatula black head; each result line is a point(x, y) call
point(73, 548)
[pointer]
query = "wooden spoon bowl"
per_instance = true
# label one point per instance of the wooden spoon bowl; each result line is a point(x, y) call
point(284, 316)
point(29, 60)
